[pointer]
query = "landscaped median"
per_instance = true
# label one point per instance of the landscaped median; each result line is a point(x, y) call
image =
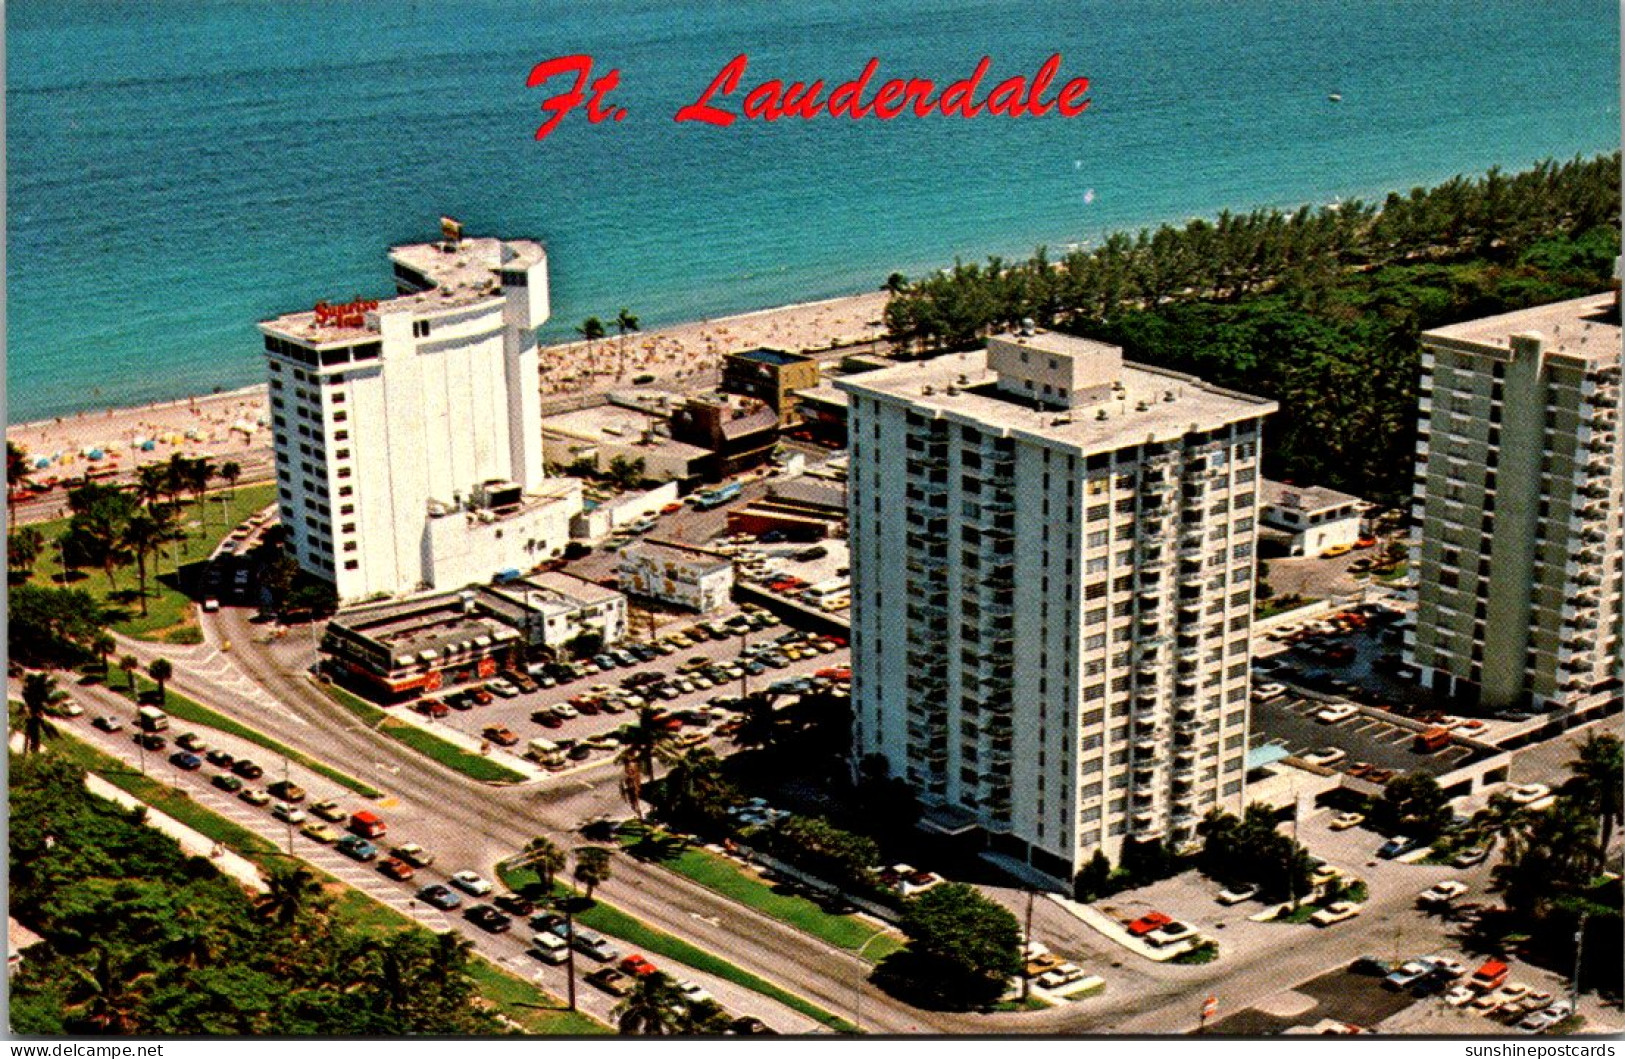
point(634, 931)
point(714, 872)
point(183, 708)
point(530, 1008)
point(424, 742)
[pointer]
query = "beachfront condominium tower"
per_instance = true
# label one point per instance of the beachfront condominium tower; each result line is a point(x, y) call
point(407, 431)
point(1517, 516)
point(1052, 589)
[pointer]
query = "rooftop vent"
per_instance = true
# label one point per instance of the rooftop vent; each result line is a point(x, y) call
point(1168, 395)
point(951, 390)
point(964, 380)
point(927, 391)
point(1140, 406)
point(1102, 414)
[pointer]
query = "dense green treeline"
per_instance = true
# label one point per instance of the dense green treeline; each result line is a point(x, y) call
point(142, 939)
point(1319, 309)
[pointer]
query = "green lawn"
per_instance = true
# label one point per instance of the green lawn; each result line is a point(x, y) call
point(183, 708)
point(634, 931)
point(170, 617)
point(474, 766)
point(727, 878)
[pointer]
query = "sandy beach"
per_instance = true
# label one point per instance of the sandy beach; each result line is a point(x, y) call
point(232, 426)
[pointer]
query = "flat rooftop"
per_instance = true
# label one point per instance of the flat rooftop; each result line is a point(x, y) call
point(614, 425)
point(1311, 498)
point(777, 357)
point(461, 274)
point(1153, 404)
point(1583, 328)
point(550, 594)
point(703, 558)
point(826, 394)
point(425, 628)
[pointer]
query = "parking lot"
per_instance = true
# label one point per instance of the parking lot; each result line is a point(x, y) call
point(701, 721)
point(1289, 721)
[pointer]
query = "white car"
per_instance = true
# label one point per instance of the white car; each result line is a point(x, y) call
point(1459, 996)
point(1170, 934)
point(1447, 964)
point(549, 948)
point(499, 686)
point(1237, 896)
point(288, 814)
point(1325, 757)
point(1342, 711)
point(1336, 912)
point(1442, 892)
point(1546, 1018)
point(1065, 974)
point(566, 712)
point(471, 882)
point(1529, 793)
point(1266, 692)
point(692, 992)
point(1344, 821)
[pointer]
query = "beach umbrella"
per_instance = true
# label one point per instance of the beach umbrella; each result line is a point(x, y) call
point(95, 454)
point(148, 445)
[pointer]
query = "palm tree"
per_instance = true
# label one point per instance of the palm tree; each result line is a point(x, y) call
point(23, 549)
point(1501, 822)
point(702, 1017)
point(545, 857)
point(108, 992)
point(632, 785)
point(645, 741)
point(103, 647)
point(760, 725)
point(591, 329)
point(624, 323)
point(231, 470)
point(592, 867)
point(199, 473)
point(289, 890)
point(160, 671)
point(129, 663)
point(143, 535)
point(1595, 781)
point(40, 699)
point(654, 1008)
point(896, 283)
point(18, 473)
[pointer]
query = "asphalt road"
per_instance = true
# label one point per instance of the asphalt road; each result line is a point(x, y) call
point(257, 466)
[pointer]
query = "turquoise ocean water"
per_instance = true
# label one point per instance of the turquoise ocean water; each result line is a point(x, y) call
point(180, 170)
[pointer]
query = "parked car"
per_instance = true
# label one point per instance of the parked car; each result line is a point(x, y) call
point(549, 948)
point(1326, 756)
point(1395, 847)
point(1407, 974)
point(488, 919)
point(247, 769)
point(219, 758)
point(288, 814)
point(1147, 923)
point(1545, 1019)
point(1459, 996)
point(319, 832)
point(357, 848)
point(611, 981)
point(227, 782)
point(1341, 711)
point(1442, 892)
point(254, 797)
point(287, 791)
point(471, 882)
point(329, 811)
point(635, 964)
point(439, 896)
point(413, 854)
point(150, 741)
point(513, 904)
point(186, 762)
point(435, 708)
point(1336, 912)
point(107, 723)
point(1529, 793)
point(1234, 895)
point(1170, 934)
point(500, 736)
point(396, 869)
point(1344, 821)
point(191, 741)
point(1469, 857)
point(502, 687)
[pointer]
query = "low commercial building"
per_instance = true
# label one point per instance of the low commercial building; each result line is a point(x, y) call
point(498, 530)
point(740, 432)
point(1310, 520)
point(605, 433)
point(402, 649)
point(551, 609)
point(823, 413)
point(771, 376)
point(679, 574)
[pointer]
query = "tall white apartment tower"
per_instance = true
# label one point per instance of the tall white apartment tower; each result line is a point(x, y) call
point(407, 432)
point(1518, 512)
point(1052, 589)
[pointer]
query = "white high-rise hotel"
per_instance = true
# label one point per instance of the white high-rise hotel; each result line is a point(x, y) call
point(408, 432)
point(1519, 518)
point(1052, 590)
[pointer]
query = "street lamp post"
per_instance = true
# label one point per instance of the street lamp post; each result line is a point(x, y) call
point(857, 986)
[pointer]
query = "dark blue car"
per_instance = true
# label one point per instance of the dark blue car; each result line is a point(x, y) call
point(440, 897)
point(182, 760)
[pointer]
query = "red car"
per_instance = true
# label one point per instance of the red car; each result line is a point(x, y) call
point(433, 708)
point(482, 696)
point(395, 869)
point(1147, 923)
point(841, 673)
point(636, 964)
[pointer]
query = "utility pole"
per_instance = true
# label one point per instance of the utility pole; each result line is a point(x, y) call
point(288, 821)
point(1026, 982)
point(744, 674)
point(1574, 983)
point(570, 956)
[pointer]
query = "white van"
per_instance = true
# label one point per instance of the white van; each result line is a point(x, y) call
point(549, 948)
point(151, 719)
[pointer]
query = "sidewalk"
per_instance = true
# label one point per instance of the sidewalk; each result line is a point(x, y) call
point(239, 868)
point(1114, 931)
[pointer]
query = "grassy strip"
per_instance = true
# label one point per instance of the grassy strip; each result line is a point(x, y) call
point(635, 932)
point(166, 800)
point(170, 617)
point(183, 708)
point(426, 743)
point(534, 1010)
point(723, 876)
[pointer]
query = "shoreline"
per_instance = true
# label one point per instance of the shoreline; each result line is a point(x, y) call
point(678, 354)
